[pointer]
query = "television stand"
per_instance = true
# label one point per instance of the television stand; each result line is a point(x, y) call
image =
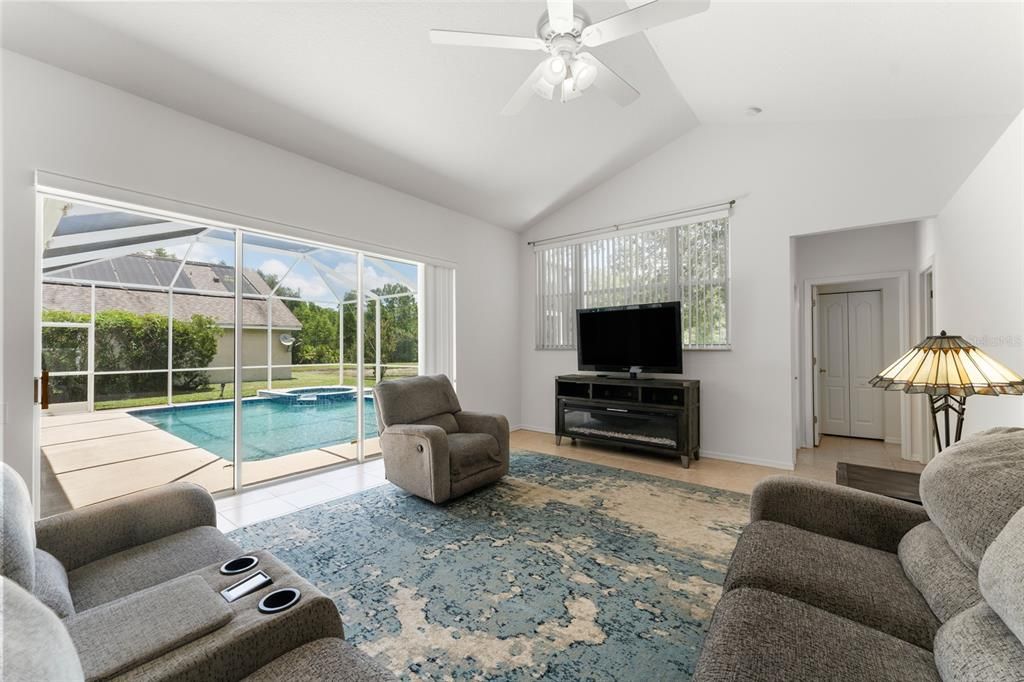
point(654, 415)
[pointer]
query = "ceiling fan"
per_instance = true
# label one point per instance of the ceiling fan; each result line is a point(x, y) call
point(563, 32)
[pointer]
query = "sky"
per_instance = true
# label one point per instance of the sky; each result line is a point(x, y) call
point(280, 257)
point(304, 276)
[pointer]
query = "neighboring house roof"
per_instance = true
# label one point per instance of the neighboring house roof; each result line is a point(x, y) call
point(117, 288)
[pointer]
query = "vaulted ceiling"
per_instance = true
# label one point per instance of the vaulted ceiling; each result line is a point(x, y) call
point(358, 86)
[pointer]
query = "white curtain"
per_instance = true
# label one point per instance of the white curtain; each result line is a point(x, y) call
point(437, 321)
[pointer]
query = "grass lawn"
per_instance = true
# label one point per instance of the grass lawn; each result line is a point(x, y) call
point(300, 377)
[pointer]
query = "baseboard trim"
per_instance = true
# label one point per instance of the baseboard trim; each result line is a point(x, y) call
point(710, 454)
point(757, 461)
point(538, 429)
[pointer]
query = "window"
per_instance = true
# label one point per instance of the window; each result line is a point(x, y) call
point(685, 262)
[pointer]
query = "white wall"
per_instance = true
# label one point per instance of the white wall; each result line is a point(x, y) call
point(853, 253)
point(56, 121)
point(978, 250)
point(791, 179)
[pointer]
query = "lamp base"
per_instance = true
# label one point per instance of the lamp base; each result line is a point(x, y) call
point(947, 404)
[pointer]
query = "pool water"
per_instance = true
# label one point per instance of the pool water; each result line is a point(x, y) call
point(270, 428)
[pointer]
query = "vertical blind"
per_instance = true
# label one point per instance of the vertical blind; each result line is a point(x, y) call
point(688, 263)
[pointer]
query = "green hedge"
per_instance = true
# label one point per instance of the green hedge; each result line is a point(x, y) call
point(128, 341)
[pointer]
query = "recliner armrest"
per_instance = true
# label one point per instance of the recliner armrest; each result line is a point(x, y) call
point(416, 458)
point(495, 425)
point(82, 536)
point(836, 511)
point(133, 630)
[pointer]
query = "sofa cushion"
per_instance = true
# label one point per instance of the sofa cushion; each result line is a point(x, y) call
point(471, 453)
point(406, 401)
point(1002, 575)
point(445, 420)
point(18, 535)
point(973, 488)
point(863, 584)
point(150, 564)
point(52, 584)
point(976, 646)
point(946, 583)
point(324, 660)
point(36, 645)
point(760, 635)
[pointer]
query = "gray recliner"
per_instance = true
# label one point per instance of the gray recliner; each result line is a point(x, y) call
point(833, 583)
point(432, 447)
point(130, 589)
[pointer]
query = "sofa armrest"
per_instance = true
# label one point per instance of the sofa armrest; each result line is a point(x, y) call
point(836, 511)
point(492, 424)
point(416, 459)
point(133, 630)
point(91, 533)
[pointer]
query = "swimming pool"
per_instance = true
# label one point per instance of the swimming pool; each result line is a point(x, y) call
point(270, 428)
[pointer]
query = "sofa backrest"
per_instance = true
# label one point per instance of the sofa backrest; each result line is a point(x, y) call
point(1001, 576)
point(986, 641)
point(972, 489)
point(17, 558)
point(36, 645)
point(414, 399)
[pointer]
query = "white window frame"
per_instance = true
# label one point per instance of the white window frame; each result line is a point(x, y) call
point(556, 324)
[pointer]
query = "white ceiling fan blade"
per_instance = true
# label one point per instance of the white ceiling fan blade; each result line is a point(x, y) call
point(470, 39)
point(525, 91)
point(560, 15)
point(610, 82)
point(639, 19)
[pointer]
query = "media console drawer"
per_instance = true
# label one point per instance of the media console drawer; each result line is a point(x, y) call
point(654, 415)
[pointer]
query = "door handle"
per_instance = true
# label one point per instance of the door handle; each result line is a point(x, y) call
point(41, 390)
point(821, 371)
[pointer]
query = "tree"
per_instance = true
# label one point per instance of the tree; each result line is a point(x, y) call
point(317, 341)
point(399, 328)
point(283, 291)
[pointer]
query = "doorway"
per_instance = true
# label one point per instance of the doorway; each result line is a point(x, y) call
point(895, 288)
point(850, 326)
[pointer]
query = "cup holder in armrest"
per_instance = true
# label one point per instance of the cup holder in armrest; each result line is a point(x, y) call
point(279, 600)
point(239, 565)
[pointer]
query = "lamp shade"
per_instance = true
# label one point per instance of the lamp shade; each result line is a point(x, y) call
point(949, 365)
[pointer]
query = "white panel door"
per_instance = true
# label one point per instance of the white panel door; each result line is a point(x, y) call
point(834, 364)
point(867, 404)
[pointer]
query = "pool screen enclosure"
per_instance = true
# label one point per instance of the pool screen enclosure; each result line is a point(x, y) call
point(144, 311)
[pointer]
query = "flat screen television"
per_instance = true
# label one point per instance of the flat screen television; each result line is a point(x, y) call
point(632, 338)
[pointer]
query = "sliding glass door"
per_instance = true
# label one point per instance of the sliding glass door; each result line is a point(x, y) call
point(218, 355)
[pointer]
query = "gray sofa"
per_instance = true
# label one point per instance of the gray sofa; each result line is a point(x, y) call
point(832, 583)
point(432, 447)
point(133, 584)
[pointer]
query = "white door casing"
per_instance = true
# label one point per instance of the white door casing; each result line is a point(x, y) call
point(815, 366)
point(867, 403)
point(834, 365)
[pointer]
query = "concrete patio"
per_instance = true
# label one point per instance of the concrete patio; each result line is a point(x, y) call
point(91, 457)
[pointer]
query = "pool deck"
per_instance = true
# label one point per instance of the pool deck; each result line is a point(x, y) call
point(90, 457)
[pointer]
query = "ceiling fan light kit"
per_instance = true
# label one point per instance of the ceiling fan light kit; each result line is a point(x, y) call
point(563, 31)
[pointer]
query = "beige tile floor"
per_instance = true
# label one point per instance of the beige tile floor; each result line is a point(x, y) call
point(818, 463)
point(88, 458)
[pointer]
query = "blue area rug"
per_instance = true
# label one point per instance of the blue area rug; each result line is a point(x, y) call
point(564, 571)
